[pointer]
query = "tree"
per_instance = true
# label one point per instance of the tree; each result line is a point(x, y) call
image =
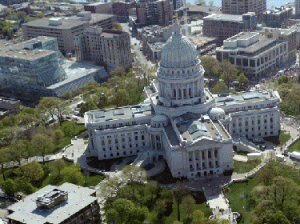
point(153, 188)
point(58, 135)
point(211, 3)
point(48, 105)
point(198, 217)
point(112, 186)
point(278, 218)
point(124, 211)
point(228, 72)
point(32, 172)
point(21, 15)
point(220, 87)
point(73, 9)
point(189, 204)
point(160, 207)
point(284, 189)
point(67, 95)
point(17, 151)
point(40, 15)
point(117, 26)
point(58, 165)
point(242, 79)
point(179, 192)
point(134, 174)
point(4, 157)
point(69, 128)
point(87, 106)
point(283, 79)
point(42, 144)
point(72, 174)
point(263, 24)
point(9, 187)
point(119, 71)
point(62, 108)
point(121, 98)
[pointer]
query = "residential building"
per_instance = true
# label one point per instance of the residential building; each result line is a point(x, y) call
point(243, 6)
point(178, 4)
point(224, 26)
point(277, 17)
point(254, 53)
point(180, 121)
point(36, 68)
point(99, 7)
point(67, 203)
point(105, 47)
point(122, 10)
point(154, 12)
point(288, 35)
point(64, 29)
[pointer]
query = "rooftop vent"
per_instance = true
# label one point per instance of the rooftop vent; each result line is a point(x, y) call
point(51, 199)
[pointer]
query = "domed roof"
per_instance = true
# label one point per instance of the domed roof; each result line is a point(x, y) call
point(216, 112)
point(178, 52)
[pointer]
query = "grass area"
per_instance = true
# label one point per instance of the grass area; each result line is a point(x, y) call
point(66, 140)
point(295, 146)
point(238, 200)
point(242, 153)
point(279, 140)
point(244, 167)
point(183, 213)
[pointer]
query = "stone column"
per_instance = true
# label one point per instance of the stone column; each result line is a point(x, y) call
point(194, 160)
point(206, 158)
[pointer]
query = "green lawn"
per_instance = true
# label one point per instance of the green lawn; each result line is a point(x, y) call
point(244, 167)
point(173, 216)
point(67, 139)
point(279, 140)
point(238, 200)
point(295, 146)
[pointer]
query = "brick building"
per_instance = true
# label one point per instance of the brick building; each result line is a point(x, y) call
point(224, 26)
point(243, 6)
point(121, 10)
point(99, 7)
point(277, 17)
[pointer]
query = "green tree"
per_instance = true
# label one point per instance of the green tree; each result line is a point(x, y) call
point(67, 95)
point(242, 79)
point(48, 105)
point(179, 193)
point(152, 188)
point(117, 26)
point(72, 174)
point(73, 9)
point(119, 71)
point(189, 204)
point(210, 65)
point(58, 165)
point(283, 79)
point(58, 136)
point(278, 218)
point(220, 87)
point(112, 186)
point(32, 172)
point(121, 98)
point(21, 15)
point(17, 151)
point(198, 217)
point(284, 189)
point(40, 15)
point(87, 106)
point(228, 72)
point(4, 158)
point(9, 187)
point(69, 128)
point(42, 144)
point(134, 174)
point(160, 207)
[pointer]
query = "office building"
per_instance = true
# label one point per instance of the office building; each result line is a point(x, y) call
point(254, 53)
point(297, 8)
point(180, 121)
point(64, 29)
point(67, 203)
point(154, 12)
point(224, 26)
point(243, 6)
point(122, 10)
point(99, 7)
point(105, 47)
point(178, 4)
point(277, 17)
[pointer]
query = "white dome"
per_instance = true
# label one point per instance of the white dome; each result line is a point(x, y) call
point(216, 113)
point(178, 52)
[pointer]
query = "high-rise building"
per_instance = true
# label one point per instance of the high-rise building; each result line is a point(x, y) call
point(122, 9)
point(297, 8)
point(277, 17)
point(243, 6)
point(105, 47)
point(154, 12)
point(64, 29)
point(224, 26)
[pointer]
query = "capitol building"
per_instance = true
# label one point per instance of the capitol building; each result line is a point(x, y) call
point(180, 121)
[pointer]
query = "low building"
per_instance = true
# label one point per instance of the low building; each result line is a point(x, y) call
point(205, 45)
point(203, 10)
point(99, 7)
point(277, 17)
point(64, 29)
point(254, 53)
point(122, 10)
point(8, 106)
point(104, 47)
point(36, 68)
point(67, 203)
point(224, 26)
point(243, 6)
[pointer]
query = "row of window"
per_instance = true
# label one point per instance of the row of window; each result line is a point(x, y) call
point(120, 154)
point(209, 154)
point(252, 122)
point(210, 165)
point(123, 146)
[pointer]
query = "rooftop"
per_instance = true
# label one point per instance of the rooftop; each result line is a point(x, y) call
point(17, 50)
point(224, 17)
point(26, 211)
point(96, 116)
point(244, 97)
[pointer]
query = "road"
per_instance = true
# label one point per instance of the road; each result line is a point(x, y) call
point(136, 46)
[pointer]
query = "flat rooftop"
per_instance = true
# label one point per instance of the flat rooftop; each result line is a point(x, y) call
point(97, 116)
point(17, 50)
point(245, 97)
point(26, 211)
point(224, 17)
